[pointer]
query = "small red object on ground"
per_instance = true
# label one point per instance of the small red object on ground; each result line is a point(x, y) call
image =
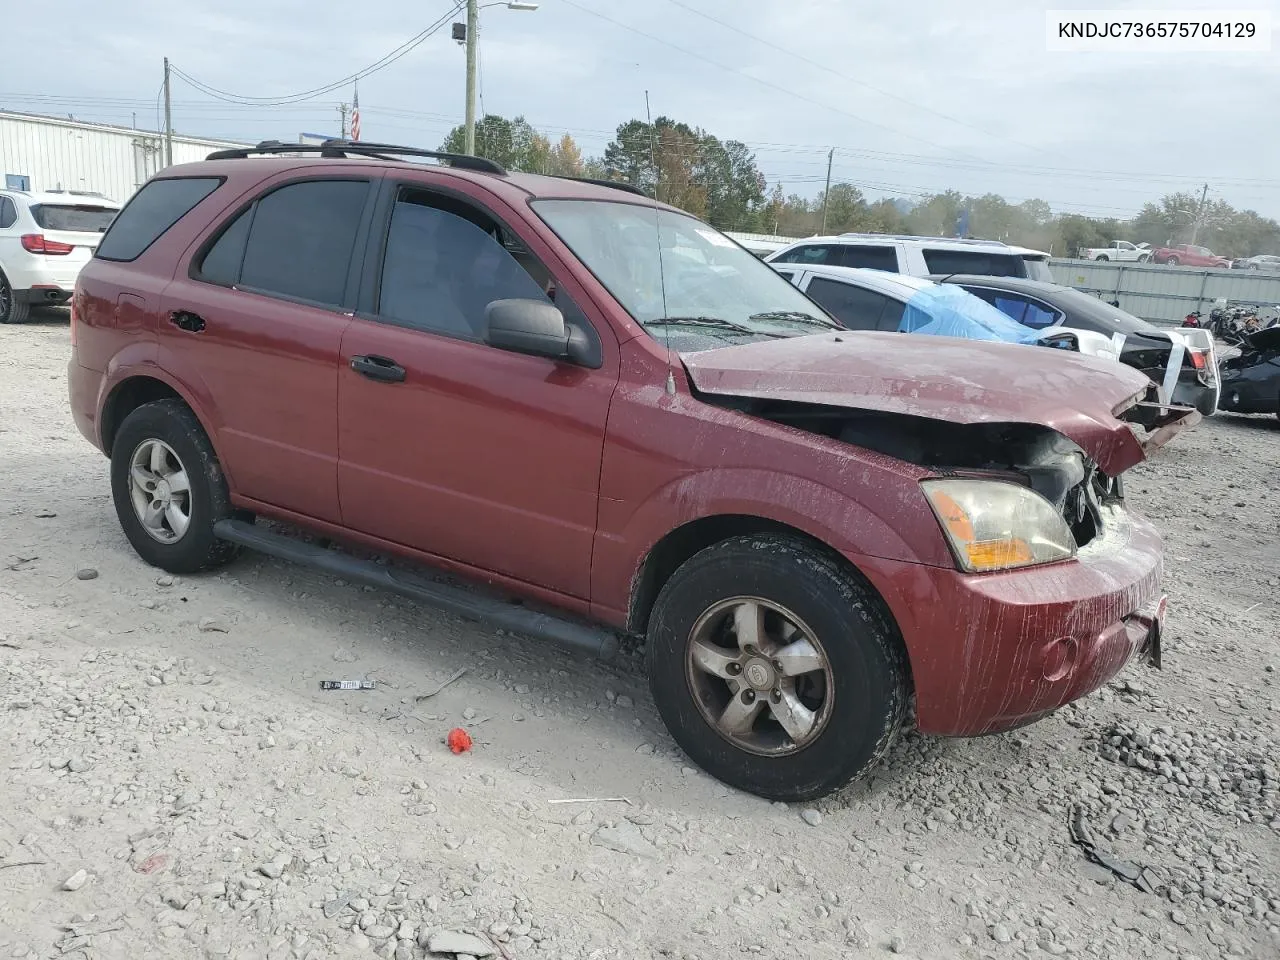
point(157, 861)
point(459, 740)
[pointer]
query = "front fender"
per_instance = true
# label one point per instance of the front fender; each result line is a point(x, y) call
point(897, 524)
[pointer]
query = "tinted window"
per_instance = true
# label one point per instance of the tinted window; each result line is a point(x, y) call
point(856, 308)
point(813, 253)
point(81, 218)
point(977, 262)
point(1038, 269)
point(873, 258)
point(891, 317)
point(441, 270)
point(8, 212)
point(301, 240)
point(1026, 312)
point(789, 274)
point(221, 264)
point(153, 210)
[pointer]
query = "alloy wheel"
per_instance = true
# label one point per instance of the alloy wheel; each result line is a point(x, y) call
point(759, 676)
point(160, 491)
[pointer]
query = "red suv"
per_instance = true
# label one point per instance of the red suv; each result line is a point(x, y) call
point(618, 421)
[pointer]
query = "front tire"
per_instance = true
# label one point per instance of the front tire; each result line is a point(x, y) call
point(1172, 261)
point(1103, 258)
point(775, 668)
point(169, 489)
point(12, 310)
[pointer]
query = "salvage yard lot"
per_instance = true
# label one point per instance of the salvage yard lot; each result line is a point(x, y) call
point(167, 737)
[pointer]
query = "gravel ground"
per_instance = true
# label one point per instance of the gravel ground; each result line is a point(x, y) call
point(175, 784)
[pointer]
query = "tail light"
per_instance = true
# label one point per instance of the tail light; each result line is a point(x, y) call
point(1201, 363)
point(39, 243)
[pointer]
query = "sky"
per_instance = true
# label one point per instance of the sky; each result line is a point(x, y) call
point(916, 96)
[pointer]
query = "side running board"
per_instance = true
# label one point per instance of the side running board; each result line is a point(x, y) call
point(472, 605)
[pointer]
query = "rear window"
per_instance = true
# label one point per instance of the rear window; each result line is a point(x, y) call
point(80, 218)
point(153, 210)
point(977, 262)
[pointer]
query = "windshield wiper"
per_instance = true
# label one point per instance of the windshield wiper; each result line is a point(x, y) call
point(794, 315)
point(704, 322)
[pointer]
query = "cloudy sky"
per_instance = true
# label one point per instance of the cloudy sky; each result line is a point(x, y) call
point(915, 95)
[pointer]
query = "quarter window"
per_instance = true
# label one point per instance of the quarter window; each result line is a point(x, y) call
point(152, 211)
point(8, 213)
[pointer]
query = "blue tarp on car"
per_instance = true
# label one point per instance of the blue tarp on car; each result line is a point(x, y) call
point(943, 310)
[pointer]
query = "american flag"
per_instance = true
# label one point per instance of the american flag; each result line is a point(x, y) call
point(355, 114)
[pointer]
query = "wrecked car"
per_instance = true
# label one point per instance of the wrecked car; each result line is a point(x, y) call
point(606, 417)
point(1251, 379)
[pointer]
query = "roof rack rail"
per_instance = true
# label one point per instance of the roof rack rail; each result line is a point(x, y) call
point(601, 182)
point(977, 241)
point(345, 148)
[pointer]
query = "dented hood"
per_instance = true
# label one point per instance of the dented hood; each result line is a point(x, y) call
point(957, 381)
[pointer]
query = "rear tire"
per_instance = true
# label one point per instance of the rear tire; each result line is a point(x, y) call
point(169, 489)
point(1172, 261)
point(828, 707)
point(1103, 258)
point(12, 310)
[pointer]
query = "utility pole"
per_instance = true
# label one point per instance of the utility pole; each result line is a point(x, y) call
point(1195, 227)
point(342, 114)
point(826, 194)
point(168, 119)
point(473, 25)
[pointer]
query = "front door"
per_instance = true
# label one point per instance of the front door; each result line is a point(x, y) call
point(257, 321)
point(450, 446)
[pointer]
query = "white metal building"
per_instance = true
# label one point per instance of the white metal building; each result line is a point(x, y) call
point(45, 153)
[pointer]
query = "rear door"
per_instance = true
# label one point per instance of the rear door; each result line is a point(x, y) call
point(258, 317)
point(450, 446)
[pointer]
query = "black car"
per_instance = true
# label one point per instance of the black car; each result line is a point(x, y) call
point(1037, 304)
point(1251, 381)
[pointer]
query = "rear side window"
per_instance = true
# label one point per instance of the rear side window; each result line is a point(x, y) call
point(153, 210)
point(813, 253)
point(300, 241)
point(976, 262)
point(1029, 313)
point(81, 218)
point(856, 308)
point(872, 258)
point(8, 213)
point(222, 263)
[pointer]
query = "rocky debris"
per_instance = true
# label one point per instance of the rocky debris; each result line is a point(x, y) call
point(275, 867)
point(459, 944)
point(624, 837)
point(75, 881)
point(213, 625)
point(86, 573)
point(810, 816)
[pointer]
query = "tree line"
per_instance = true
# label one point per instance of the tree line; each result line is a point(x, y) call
point(719, 181)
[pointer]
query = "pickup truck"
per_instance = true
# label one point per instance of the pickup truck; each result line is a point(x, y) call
point(1189, 255)
point(1118, 250)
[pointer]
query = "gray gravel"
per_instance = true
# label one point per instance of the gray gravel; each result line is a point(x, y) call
point(176, 791)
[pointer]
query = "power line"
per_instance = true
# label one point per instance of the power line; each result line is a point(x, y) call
point(844, 76)
point(762, 82)
point(380, 64)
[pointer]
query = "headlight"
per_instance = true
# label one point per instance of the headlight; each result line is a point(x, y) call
point(995, 525)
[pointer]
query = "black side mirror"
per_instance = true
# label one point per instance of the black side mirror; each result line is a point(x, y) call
point(535, 328)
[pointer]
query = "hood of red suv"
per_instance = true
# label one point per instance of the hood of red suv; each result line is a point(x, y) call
point(941, 378)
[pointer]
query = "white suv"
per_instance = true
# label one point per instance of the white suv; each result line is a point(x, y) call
point(45, 238)
point(917, 256)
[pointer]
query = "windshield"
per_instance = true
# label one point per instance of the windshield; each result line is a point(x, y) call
point(704, 287)
point(80, 218)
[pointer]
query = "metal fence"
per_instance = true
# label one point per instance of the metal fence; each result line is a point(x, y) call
point(1167, 294)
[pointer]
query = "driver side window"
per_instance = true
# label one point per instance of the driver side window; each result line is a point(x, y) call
point(445, 262)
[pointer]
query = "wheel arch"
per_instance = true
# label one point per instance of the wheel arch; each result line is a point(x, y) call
point(671, 551)
point(132, 392)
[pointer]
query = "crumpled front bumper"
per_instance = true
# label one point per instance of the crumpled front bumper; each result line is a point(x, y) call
point(995, 651)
